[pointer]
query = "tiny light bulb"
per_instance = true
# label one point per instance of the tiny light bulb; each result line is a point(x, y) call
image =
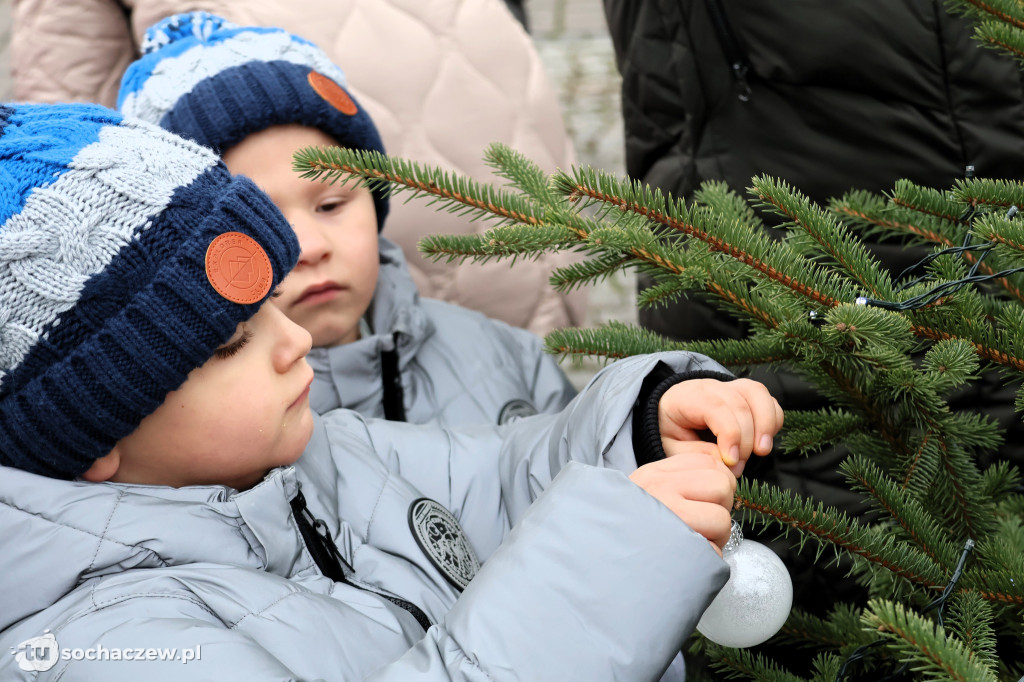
point(756, 600)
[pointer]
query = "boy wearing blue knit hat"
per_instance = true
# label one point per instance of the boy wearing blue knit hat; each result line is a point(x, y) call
point(255, 96)
point(167, 496)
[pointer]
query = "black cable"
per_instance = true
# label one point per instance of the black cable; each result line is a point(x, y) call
point(939, 602)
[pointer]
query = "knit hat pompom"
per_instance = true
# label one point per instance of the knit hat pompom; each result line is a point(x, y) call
point(127, 257)
point(211, 81)
point(198, 25)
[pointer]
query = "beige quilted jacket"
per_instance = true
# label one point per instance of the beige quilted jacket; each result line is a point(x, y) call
point(441, 78)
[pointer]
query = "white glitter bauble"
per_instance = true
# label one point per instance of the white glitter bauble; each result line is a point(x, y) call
point(755, 602)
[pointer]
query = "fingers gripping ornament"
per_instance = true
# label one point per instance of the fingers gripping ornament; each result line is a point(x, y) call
point(756, 600)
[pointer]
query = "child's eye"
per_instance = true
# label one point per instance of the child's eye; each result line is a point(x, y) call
point(330, 205)
point(226, 351)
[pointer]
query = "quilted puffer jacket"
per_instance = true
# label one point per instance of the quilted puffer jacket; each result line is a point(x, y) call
point(441, 79)
point(448, 365)
point(584, 577)
point(829, 96)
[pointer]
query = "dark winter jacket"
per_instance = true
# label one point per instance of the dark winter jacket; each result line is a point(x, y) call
point(829, 95)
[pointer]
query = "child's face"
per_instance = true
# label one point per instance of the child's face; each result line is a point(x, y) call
point(243, 412)
point(334, 281)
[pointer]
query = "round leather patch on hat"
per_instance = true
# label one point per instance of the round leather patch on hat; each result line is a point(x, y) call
point(332, 92)
point(238, 268)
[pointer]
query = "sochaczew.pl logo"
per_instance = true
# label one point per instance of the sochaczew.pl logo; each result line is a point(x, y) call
point(42, 653)
point(38, 653)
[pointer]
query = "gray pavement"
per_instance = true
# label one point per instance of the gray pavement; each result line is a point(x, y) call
point(572, 39)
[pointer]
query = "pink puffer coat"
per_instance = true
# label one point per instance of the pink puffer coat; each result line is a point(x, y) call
point(442, 79)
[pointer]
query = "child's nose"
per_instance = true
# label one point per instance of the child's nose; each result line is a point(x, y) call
point(314, 247)
point(293, 344)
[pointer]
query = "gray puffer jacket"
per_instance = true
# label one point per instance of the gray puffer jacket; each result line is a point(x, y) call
point(456, 365)
point(596, 581)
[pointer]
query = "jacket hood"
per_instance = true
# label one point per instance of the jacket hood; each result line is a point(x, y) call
point(396, 302)
point(395, 315)
point(58, 534)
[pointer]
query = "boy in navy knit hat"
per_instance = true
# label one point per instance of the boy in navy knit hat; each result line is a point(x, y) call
point(255, 96)
point(167, 495)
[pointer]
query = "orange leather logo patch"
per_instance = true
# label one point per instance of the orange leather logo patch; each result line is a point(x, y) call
point(238, 268)
point(332, 92)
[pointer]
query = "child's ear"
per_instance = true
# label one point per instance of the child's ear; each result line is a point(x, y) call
point(104, 468)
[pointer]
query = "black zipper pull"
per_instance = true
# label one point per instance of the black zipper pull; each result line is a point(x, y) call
point(319, 541)
point(332, 564)
point(391, 381)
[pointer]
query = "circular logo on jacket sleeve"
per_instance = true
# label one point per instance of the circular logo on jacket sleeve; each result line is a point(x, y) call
point(441, 538)
point(238, 268)
point(516, 409)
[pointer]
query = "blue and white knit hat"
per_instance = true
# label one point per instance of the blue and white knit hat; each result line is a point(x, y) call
point(211, 81)
point(127, 256)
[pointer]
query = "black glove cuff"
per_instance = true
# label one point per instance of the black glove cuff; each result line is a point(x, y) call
point(647, 445)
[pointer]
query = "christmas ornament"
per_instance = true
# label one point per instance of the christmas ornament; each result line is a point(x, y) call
point(755, 602)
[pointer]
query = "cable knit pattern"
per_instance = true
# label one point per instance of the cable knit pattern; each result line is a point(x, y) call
point(106, 302)
point(45, 256)
point(185, 49)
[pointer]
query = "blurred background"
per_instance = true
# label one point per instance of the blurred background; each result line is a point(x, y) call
point(572, 39)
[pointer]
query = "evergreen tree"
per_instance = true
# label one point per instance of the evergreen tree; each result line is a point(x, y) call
point(942, 557)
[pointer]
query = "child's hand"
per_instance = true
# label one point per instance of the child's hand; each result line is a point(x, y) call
point(696, 485)
point(741, 414)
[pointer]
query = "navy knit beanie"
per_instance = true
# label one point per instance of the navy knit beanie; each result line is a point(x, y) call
point(211, 81)
point(127, 257)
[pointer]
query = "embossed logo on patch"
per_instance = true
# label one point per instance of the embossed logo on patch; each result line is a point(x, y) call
point(333, 93)
point(516, 409)
point(238, 268)
point(440, 536)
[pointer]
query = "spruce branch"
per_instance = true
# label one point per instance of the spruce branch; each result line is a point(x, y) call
point(922, 528)
point(922, 467)
point(999, 36)
point(964, 480)
point(834, 239)
point(808, 431)
point(587, 272)
point(1005, 11)
point(872, 211)
point(930, 651)
point(824, 525)
point(743, 664)
point(756, 253)
point(886, 220)
point(720, 198)
point(521, 172)
point(451, 248)
point(838, 631)
point(996, 586)
point(612, 341)
point(1008, 234)
point(988, 192)
point(928, 201)
point(994, 354)
point(970, 619)
point(377, 171)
